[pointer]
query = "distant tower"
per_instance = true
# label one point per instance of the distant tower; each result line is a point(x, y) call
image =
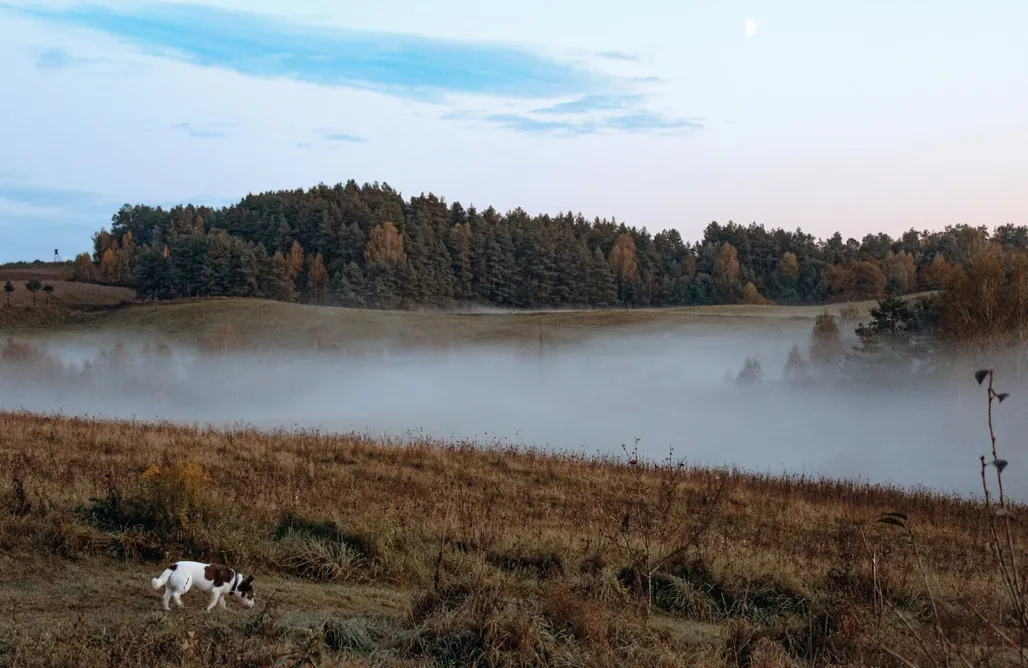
point(57, 256)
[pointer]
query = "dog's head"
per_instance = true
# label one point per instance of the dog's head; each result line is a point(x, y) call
point(244, 591)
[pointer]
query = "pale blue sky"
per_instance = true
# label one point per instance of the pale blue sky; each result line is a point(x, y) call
point(860, 116)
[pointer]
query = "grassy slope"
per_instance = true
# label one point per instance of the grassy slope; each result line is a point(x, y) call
point(348, 532)
point(782, 555)
point(71, 302)
point(263, 323)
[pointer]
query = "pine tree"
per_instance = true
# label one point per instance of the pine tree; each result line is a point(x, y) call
point(275, 281)
point(33, 286)
point(8, 289)
point(152, 273)
point(348, 286)
point(602, 289)
point(825, 340)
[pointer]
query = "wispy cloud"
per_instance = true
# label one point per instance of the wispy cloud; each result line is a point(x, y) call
point(46, 197)
point(637, 122)
point(589, 103)
point(204, 130)
point(261, 46)
point(645, 121)
point(336, 136)
point(58, 59)
point(618, 55)
point(527, 124)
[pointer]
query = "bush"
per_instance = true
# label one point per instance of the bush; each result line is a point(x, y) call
point(169, 501)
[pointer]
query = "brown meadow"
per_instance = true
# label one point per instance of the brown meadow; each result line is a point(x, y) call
point(422, 553)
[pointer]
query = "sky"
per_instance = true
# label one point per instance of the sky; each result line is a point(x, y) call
point(858, 117)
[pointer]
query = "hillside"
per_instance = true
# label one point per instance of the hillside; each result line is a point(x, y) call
point(367, 245)
point(416, 553)
point(268, 323)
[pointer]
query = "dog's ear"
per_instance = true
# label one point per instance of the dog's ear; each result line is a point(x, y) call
point(248, 580)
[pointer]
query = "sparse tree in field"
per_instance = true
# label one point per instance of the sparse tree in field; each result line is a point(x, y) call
point(49, 290)
point(752, 372)
point(825, 340)
point(795, 366)
point(33, 286)
point(8, 288)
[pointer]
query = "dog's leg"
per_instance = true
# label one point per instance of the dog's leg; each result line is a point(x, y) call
point(167, 597)
point(221, 601)
point(178, 594)
point(215, 595)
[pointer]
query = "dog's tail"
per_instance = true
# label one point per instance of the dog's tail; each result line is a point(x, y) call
point(159, 582)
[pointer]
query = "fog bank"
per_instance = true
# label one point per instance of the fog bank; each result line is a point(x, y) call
point(666, 389)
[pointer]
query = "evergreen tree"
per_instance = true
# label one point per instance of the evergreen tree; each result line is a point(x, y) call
point(602, 289)
point(33, 286)
point(152, 273)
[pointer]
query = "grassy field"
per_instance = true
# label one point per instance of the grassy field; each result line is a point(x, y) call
point(71, 303)
point(257, 323)
point(415, 553)
point(79, 308)
point(418, 553)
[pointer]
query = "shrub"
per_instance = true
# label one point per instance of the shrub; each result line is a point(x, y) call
point(173, 496)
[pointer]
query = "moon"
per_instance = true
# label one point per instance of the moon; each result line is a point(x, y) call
point(751, 27)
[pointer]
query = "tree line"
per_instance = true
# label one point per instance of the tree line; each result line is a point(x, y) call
point(366, 245)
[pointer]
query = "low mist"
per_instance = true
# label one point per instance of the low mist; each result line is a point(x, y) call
point(668, 389)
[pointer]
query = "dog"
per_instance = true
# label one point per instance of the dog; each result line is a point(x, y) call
point(217, 579)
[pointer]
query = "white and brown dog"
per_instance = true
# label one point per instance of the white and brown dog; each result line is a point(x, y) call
point(219, 580)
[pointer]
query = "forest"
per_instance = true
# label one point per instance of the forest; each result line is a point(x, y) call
point(366, 246)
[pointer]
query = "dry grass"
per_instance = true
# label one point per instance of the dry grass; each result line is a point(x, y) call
point(419, 553)
point(258, 323)
point(69, 304)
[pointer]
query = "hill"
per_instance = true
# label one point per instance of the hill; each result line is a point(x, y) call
point(70, 302)
point(274, 324)
point(367, 245)
point(418, 553)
